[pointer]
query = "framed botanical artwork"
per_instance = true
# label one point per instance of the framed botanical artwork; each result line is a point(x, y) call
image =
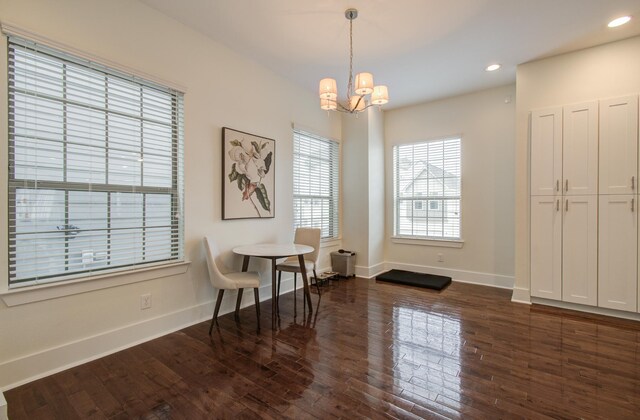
point(248, 177)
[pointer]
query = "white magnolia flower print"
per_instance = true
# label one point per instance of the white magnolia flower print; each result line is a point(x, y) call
point(250, 166)
point(248, 161)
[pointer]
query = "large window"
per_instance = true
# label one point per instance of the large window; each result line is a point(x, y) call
point(315, 183)
point(426, 179)
point(95, 168)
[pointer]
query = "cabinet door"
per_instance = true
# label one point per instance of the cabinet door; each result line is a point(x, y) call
point(580, 250)
point(618, 252)
point(546, 247)
point(580, 149)
point(546, 151)
point(618, 157)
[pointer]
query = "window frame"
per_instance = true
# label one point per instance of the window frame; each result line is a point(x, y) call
point(175, 190)
point(444, 241)
point(335, 223)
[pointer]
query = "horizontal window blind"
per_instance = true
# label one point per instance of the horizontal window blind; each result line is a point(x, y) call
point(95, 168)
point(316, 183)
point(427, 189)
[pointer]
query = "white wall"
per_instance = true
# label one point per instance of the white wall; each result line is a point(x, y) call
point(486, 125)
point(594, 73)
point(223, 89)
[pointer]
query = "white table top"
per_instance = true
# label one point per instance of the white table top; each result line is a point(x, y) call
point(273, 250)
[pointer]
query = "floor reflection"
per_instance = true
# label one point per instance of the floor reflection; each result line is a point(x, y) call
point(426, 354)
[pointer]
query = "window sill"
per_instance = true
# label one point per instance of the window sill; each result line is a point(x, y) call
point(328, 243)
point(443, 243)
point(39, 293)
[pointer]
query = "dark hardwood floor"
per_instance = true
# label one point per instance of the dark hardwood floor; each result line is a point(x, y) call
point(370, 350)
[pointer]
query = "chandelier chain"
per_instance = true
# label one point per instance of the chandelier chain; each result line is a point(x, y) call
point(350, 86)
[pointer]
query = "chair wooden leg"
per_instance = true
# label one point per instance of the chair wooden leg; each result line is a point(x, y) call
point(294, 285)
point(216, 310)
point(256, 295)
point(238, 304)
point(305, 283)
point(295, 289)
point(315, 278)
point(278, 296)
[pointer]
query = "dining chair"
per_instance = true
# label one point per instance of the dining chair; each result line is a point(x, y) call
point(303, 236)
point(222, 280)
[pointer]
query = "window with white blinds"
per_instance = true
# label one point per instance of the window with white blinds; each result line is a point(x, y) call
point(95, 168)
point(426, 179)
point(316, 168)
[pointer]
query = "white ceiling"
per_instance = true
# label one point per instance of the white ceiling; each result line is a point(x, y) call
point(421, 49)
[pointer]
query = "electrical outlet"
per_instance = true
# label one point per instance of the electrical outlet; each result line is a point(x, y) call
point(440, 257)
point(145, 301)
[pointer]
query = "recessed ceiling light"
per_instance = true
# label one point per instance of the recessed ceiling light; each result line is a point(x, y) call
point(619, 21)
point(493, 67)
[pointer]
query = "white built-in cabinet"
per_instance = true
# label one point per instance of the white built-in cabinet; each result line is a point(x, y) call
point(580, 249)
point(619, 145)
point(618, 245)
point(580, 149)
point(546, 247)
point(584, 199)
point(546, 151)
point(618, 221)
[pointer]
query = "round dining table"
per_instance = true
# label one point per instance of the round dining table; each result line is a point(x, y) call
point(274, 251)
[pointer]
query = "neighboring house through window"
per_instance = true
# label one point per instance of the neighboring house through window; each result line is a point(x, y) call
point(316, 191)
point(95, 168)
point(427, 171)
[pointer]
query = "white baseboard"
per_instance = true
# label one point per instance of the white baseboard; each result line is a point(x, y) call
point(586, 308)
point(47, 362)
point(370, 272)
point(34, 366)
point(463, 276)
point(521, 295)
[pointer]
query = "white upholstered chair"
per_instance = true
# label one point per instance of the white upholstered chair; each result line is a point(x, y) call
point(303, 236)
point(222, 280)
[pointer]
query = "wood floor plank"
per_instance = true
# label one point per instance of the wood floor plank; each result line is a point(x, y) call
point(370, 350)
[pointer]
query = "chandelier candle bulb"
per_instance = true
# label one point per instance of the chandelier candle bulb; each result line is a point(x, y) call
point(328, 104)
point(328, 89)
point(364, 83)
point(380, 95)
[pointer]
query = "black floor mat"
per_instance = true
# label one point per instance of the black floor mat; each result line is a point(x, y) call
point(430, 281)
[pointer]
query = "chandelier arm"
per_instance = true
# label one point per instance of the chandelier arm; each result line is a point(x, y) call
point(348, 111)
point(342, 107)
point(360, 99)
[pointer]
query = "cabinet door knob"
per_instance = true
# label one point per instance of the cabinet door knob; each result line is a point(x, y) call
point(632, 204)
point(557, 185)
point(566, 205)
point(566, 185)
point(633, 182)
point(558, 204)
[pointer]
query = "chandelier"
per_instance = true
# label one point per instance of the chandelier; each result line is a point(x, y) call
point(357, 95)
